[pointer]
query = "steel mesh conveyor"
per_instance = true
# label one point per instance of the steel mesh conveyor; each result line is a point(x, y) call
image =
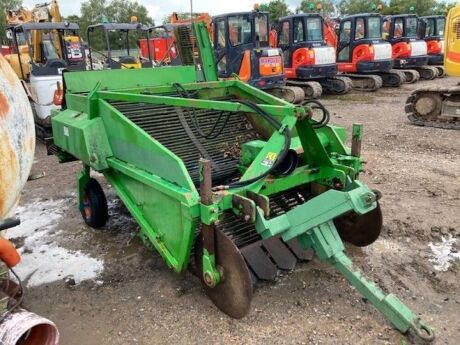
point(173, 127)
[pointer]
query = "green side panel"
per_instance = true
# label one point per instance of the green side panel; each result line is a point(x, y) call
point(83, 138)
point(134, 146)
point(85, 81)
point(165, 221)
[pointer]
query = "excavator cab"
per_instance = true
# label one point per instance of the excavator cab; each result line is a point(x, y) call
point(408, 50)
point(116, 46)
point(305, 52)
point(360, 47)
point(431, 29)
point(309, 61)
point(241, 46)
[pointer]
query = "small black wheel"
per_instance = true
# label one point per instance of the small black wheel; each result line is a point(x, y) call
point(93, 207)
point(360, 230)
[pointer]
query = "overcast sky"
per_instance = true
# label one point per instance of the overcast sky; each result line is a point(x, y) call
point(158, 9)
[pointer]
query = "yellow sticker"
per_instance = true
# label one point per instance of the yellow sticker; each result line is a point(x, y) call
point(270, 159)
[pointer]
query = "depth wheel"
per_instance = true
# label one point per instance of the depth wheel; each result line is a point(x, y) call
point(233, 294)
point(360, 230)
point(93, 207)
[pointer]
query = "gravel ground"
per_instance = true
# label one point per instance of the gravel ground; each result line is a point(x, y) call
point(103, 287)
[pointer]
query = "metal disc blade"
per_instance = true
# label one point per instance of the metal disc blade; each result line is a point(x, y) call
point(360, 230)
point(233, 294)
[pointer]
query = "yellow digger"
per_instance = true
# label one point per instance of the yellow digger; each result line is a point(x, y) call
point(42, 48)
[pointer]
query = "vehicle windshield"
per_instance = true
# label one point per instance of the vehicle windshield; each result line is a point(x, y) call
point(411, 27)
point(261, 26)
point(314, 29)
point(429, 29)
point(374, 27)
point(441, 23)
point(239, 30)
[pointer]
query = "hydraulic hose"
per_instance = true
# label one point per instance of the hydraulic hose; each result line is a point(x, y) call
point(287, 144)
point(326, 116)
point(269, 118)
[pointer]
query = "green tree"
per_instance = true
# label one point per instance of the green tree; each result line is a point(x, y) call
point(116, 11)
point(276, 9)
point(443, 7)
point(421, 7)
point(327, 7)
point(6, 5)
point(73, 19)
point(355, 6)
point(121, 11)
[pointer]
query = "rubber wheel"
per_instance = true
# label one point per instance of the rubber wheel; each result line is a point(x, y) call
point(93, 206)
point(360, 230)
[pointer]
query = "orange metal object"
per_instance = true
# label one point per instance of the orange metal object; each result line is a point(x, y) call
point(200, 17)
point(273, 38)
point(434, 47)
point(329, 33)
point(269, 66)
point(245, 69)
point(8, 254)
point(401, 50)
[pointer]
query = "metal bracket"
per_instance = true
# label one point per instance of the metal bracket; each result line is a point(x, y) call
point(261, 201)
point(326, 242)
point(357, 136)
point(211, 275)
point(246, 208)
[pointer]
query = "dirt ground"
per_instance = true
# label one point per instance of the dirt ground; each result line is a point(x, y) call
point(133, 298)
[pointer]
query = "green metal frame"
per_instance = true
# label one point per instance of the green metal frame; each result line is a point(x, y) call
point(155, 185)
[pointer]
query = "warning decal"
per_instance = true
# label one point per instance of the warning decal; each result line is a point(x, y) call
point(270, 159)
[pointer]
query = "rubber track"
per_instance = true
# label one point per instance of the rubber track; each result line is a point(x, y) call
point(347, 85)
point(377, 81)
point(313, 85)
point(416, 120)
point(400, 74)
point(441, 71)
point(291, 94)
point(431, 69)
point(415, 76)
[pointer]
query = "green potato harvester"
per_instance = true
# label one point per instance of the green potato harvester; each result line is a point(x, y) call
point(222, 177)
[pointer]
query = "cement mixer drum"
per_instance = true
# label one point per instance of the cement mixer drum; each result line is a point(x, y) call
point(17, 138)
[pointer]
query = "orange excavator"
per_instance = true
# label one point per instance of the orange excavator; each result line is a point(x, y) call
point(309, 62)
point(362, 54)
point(432, 31)
point(241, 48)
point(409, 52)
